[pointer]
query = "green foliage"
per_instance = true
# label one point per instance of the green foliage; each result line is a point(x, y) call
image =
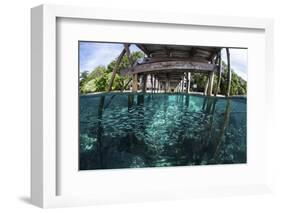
point(98, 80)
point(125, 63)
point(94, 81)
point(198, 82)
point(238, 85)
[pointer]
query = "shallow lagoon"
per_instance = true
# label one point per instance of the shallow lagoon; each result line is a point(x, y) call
point(131, 130)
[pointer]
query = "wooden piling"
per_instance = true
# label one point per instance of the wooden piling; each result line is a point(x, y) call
point(182, 83)
point(144, 79)
point(206, 86)
point(210, 84)
point(135, 83)
point(187, 89)
point(219, 74)
point(229, 74)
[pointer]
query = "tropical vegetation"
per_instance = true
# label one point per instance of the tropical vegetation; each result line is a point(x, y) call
point(238, 84)
point(98, 79)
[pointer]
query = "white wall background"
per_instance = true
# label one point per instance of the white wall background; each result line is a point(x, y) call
point(15, 105)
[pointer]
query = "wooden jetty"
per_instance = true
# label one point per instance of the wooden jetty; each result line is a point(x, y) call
point(169, 68)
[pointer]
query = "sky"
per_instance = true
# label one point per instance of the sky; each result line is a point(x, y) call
point(94, 54)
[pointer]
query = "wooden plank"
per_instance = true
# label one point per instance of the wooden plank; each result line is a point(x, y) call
point(115, 69)
point(175, 66)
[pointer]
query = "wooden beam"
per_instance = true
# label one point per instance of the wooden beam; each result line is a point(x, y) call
point(127, 48)
point(214, 54)
point(143, 48)
point(125, 86)
point(192, 52)
point(229, 74)
point(174, 58)
point(115, 69)
point(175, 66)
point(167, 51)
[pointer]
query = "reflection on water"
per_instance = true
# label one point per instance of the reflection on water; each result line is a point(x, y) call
point(127, 130)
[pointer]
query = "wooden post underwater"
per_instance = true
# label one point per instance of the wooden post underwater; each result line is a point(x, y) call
point(99, 130)
point(115, 69)
point(219, 74)
point(229, 74)
point(218, 140)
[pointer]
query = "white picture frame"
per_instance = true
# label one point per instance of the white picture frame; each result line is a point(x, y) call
point(44, 154)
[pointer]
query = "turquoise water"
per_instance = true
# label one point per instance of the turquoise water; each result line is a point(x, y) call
point(127, 130)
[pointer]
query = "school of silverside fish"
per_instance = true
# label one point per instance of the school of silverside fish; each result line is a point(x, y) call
point(136, 130)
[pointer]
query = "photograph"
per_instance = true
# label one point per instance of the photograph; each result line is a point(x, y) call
point(161, 105)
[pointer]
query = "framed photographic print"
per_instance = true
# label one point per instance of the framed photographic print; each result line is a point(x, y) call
point(137, 106)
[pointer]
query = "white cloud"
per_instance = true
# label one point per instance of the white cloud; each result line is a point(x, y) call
point(97, 54)
point(93, 54)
